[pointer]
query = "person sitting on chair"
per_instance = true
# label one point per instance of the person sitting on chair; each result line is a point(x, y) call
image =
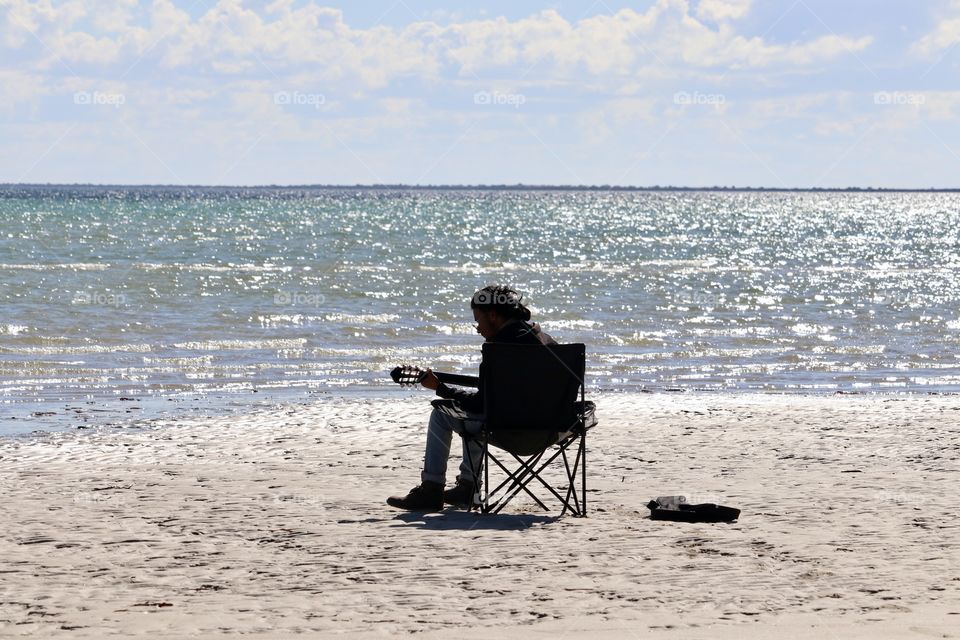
point(500, 317)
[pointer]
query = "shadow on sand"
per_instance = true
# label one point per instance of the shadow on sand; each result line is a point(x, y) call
point(457, 519)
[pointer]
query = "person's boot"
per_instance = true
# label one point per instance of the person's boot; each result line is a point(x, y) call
point(426, 497)
point(461, 495)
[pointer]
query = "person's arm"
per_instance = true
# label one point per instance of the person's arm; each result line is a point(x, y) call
point(468, 400)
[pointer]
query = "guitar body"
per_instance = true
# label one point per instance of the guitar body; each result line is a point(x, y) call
point(408, 376)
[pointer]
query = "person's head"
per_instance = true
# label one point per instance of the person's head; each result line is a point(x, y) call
point(494, 306)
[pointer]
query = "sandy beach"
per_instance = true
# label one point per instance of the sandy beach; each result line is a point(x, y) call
point(274, 525)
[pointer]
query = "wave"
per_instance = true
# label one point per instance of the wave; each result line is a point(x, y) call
point(233, 345)
point(13, 329)
point(60, 266)
point(74, 350)
point(363, 318)
point(215, 268)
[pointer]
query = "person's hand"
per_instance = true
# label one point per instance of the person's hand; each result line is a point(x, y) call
point(430, 381)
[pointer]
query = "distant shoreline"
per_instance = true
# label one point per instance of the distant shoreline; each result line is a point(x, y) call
point(483, 187)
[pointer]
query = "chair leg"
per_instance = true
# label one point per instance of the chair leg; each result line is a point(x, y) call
point(485, 508)
point(571, 484)
point(583, 470)
point(476, 475)
point(580, 458)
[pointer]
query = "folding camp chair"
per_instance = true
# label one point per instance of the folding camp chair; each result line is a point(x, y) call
point(534, 410)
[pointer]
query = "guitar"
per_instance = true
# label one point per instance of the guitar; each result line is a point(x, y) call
point(407, 376)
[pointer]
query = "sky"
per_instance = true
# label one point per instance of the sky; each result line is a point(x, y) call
point(746, 93)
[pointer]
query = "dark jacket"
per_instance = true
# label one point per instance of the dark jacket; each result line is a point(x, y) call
point(514, 332)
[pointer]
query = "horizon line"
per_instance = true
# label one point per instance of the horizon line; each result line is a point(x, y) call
point(482, 187)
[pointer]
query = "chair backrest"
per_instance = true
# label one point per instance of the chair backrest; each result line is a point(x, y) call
point(532, 387)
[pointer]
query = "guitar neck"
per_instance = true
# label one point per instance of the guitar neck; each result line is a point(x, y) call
point(405, 375)
point(459, 380)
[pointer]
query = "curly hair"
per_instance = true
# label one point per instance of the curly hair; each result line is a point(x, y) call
point(502, 299)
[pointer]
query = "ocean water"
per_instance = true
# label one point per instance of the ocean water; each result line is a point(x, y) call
point(131, 302)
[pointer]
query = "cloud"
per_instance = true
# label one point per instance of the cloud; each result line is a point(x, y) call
point(78, 46)
point(622, 43)
point(945, 35)
point(941, 105)
point(798, 106)
point(112, 16)
point(231, 39)
point(718, 10)
point(833, 128)
point(201, 86)
point(20, 20)
point(618, 117)
point(19, 87)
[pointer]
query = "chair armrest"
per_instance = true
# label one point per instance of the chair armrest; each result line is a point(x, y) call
point(458, 380)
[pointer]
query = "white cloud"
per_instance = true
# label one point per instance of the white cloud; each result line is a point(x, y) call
point(112, 16)
point(21, 18)
point(833, 128)
point(941, 105)
point(230, 38)
point(78, 46)
point(400, 105)
point(622, 43)
point(19, 87)
point(201, 86)
point(620, 117)
point(718, 10)
point(944, 36)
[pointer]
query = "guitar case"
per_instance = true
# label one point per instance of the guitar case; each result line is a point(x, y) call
point(676, 509)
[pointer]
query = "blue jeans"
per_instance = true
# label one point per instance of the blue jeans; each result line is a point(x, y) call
point(439, 434)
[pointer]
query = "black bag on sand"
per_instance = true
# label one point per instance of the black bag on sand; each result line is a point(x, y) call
point(675, 508)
